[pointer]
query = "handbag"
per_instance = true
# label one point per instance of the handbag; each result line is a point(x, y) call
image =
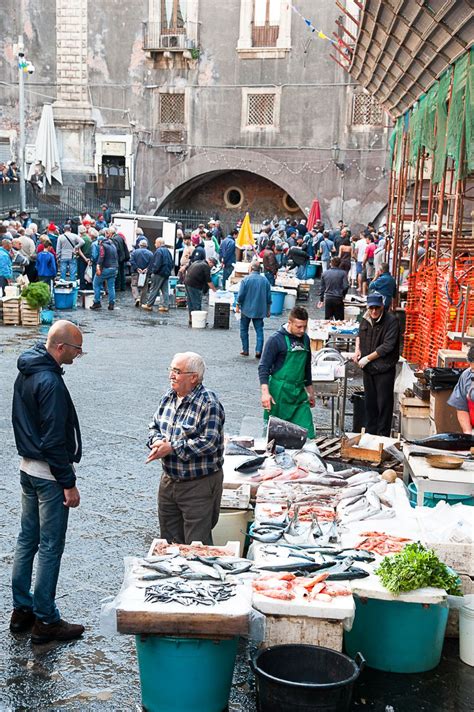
point(141, 279)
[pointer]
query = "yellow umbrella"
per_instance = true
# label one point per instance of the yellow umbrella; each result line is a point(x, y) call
point(245, 234)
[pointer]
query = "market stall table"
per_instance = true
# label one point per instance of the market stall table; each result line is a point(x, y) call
point(434, 479)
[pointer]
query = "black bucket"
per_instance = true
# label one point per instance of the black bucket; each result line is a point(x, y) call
point(359, 418)
point(306, 678)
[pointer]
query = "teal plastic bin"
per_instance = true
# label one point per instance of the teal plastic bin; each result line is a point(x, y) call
point(185, 675)
point(65, 298)
point(397, 637)
point(172, 282)
point(310, 271)
point(431, 499)
point(278, 299)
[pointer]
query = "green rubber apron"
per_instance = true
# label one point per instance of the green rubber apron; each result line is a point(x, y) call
point(288, 390)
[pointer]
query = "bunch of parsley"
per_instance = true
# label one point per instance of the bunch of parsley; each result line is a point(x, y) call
point(416, 567)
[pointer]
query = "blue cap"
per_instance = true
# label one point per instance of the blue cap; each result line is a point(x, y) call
point(375, 300)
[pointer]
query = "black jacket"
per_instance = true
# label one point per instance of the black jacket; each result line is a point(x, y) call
point(382, 336)
point(108, 258)
point(44, 419)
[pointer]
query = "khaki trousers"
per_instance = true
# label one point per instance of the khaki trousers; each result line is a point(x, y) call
point(189, 510)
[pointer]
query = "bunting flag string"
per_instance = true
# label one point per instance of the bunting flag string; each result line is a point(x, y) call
point(314, 30)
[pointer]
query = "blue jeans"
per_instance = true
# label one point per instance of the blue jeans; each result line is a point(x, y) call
point(271, 278)
point(244, 333)
point(68, 265)
point(301, 272)
point(228, 269)
point(43, 531)
point(108, 275)
point(194, 298)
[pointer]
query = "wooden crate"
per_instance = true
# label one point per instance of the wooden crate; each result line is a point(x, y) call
point(11, 311)
point(29, 316)
point(282, 630)
point(349, 452)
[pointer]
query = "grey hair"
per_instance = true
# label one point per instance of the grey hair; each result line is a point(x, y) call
point(33, 227)
point(195, 363)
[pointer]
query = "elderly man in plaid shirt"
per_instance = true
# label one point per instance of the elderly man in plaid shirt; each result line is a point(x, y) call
point(187, 434)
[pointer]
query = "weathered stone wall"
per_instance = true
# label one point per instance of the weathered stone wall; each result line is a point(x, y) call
point(120, 97)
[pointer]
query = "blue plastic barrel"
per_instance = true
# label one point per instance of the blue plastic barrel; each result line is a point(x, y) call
point(47, 316)
point(183, 674)
point(431, 499)
point(172, 282)
point(278, 299)
point(310, 271)
point(397, 637)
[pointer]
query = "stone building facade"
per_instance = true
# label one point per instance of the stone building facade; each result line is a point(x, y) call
point(218, 107)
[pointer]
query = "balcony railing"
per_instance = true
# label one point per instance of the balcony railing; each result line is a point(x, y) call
point(157, 37)
point(264, 35)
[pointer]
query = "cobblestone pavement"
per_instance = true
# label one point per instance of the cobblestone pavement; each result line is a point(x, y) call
point(115, 388)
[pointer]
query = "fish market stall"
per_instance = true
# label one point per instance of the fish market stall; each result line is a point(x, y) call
point(434, 479)
point(187, 605)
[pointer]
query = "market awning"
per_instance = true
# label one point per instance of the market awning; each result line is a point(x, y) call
point(46, 147)
point(314, 214)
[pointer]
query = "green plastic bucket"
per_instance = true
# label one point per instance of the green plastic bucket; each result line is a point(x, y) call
point(184, 674)
point(431, 499)
point(396, 636)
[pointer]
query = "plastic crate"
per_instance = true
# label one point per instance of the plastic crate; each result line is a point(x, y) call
point(238, 498)
point(221, 316)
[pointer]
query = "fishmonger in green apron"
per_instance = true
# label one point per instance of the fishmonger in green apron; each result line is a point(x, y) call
point(287, 388)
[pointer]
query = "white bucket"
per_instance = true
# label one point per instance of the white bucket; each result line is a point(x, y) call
point(229, 526)
point(290, 300)
point(466, 631)
point(351, 313)
point(198, 319)
point(87, 300)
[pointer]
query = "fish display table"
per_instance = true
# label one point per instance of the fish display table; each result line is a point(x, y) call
point(434, 479)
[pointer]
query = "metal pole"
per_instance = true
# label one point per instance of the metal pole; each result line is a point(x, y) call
point(132, 182)
point(21, 144)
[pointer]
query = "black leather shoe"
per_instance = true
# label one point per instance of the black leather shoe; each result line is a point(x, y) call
point(21, 621)
point(96, 305)
point(111, 306)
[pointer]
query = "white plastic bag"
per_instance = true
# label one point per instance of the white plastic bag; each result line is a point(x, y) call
point(405, 379)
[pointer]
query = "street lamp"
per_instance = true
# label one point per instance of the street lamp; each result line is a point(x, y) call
point(24, 66)
point(335, 153)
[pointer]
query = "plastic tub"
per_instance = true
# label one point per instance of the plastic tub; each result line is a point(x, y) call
point(396, 636)
point(290, 300)
point(278, 299)
point(351, 313)
point(183, 674)
point(304, 677)
point(310, 271)
point(198, 319)
point(431, 499)
point(47, 316)
point(231, 524)
point(172, 282)
point(466, 631)
point(64, 297)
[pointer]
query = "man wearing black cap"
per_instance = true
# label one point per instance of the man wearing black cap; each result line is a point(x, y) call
point(377, 353)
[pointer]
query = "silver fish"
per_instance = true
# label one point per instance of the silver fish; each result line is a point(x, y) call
point(363, 478)
point(311, 461)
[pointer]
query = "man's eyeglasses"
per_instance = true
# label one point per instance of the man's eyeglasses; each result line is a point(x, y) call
point(178, 372)
point(80, 352)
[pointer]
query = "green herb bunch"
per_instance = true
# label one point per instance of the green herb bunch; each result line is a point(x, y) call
point(416, 567)
point(37, 294)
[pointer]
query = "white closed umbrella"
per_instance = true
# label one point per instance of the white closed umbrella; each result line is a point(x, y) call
point(46, 147)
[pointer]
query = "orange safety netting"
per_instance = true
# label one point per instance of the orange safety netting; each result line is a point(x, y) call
point(435, 306)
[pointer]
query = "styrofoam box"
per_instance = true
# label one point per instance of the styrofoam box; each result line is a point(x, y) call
point(231, 546)
point(238, 498)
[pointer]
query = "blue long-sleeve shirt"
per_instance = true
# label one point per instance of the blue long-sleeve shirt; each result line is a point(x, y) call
point(255, 296)
point(274, 354)
point(46, 264)
point(227, 251)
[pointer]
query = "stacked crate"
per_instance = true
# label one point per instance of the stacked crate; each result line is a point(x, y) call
point(29, 315)
point(11, 310)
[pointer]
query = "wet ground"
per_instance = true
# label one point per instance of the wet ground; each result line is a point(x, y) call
point(116, 388)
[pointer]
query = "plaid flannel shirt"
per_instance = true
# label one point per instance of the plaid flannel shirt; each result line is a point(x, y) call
point(195, 430)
